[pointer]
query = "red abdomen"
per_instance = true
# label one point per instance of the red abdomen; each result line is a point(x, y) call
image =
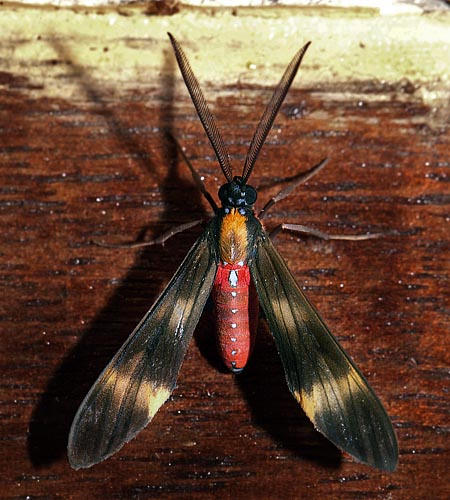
point(236, 308)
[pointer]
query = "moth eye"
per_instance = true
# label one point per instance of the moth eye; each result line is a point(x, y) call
point(250, 195)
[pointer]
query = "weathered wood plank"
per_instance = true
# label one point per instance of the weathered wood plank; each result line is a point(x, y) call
point(102, 168)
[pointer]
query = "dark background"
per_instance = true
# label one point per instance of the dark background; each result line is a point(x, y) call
point(105, 168)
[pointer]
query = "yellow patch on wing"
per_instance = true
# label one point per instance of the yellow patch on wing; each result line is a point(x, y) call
point(329, 393)
point(149, 398)
point(156, 398)
point(233, 238)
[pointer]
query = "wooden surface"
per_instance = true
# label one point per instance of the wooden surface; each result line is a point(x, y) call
point(100, 168)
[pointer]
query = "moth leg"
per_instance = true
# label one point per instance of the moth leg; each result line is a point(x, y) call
point(299, 179)
point(197, 179)
point(157, 241)
point(178, 229)
point(299, 228)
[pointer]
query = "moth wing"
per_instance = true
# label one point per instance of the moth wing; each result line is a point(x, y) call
point(323, 379)
point(143, 373)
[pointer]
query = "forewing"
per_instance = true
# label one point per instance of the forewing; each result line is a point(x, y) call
point(141, 376)
point(321, 376)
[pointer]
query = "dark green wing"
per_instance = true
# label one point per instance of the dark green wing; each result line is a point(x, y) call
point(141, 376)
point(321, 376)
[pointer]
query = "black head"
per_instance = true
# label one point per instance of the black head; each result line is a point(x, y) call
point(236, 194)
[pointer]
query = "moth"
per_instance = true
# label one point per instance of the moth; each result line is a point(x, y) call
point(235, 261)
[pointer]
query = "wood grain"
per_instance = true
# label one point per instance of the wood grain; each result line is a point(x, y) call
point(106, 169)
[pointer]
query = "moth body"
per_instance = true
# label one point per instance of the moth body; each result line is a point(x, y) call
point(235, 300)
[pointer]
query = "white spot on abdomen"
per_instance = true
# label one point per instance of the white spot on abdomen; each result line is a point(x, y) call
point(233, 278)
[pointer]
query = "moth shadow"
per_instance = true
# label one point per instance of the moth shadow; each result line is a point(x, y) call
point(51, 419)
point(275, 410)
